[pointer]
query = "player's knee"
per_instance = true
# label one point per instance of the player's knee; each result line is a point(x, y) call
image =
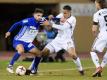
point(96, 51)
point(35, 52)
point(38, 54)
point(21, 51)
point(45, 51)
point(74, 57)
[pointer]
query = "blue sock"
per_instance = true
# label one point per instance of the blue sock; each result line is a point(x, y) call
point(15, 58)
point(35, 64)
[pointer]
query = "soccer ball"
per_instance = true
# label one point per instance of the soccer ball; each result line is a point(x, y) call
point(20, 70)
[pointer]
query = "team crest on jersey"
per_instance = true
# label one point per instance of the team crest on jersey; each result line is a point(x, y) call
point(25, 21)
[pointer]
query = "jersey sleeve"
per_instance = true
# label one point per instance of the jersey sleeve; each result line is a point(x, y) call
point(72, 21)
point(59, 15)
point(95, 18)
point(14, 26)
point(18, 24)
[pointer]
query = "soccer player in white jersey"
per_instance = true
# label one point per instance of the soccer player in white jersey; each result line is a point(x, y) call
point(64, 38)
point(99, 21)
point(23, 40)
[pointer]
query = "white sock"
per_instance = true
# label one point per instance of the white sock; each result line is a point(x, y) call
point(104, 61)
point(78, 63)
point(95, 59)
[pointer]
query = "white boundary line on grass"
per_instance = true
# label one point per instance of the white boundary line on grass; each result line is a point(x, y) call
point(59, 70)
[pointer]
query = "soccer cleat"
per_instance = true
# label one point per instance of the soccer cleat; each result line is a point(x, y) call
point(10, 69)
point(29, 72)
point(97, 72)
point(33, 73)
point(81, 72)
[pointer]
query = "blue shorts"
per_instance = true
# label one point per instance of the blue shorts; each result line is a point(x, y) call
point(27, 46)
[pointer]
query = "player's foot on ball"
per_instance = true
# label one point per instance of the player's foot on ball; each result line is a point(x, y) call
point(28, 72)
point(81, 72)
point(97, 72)
point(10, 69)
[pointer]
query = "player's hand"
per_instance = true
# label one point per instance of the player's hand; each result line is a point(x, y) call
point(94, 30)
point(46, 23)
point(50, 17)
point(62, 20)
point(94, 33)
point(7, 34)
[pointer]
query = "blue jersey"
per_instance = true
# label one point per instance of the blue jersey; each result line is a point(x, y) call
point(28, 31)
point(51, 34)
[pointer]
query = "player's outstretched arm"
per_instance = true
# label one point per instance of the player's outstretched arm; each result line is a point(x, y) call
point(61, 27)
point(13, 27)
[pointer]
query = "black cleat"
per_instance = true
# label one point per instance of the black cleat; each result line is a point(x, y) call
point(97, 73)
point(28, 72)
point(81, 72)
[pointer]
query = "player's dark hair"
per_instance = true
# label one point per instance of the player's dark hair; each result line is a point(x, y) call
point(103, 3)
point(38, 10)
point(67, 7)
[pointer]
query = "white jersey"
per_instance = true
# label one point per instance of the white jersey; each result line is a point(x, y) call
point(65, 30)
point(63, 39)
point(101, 18)
point(100, 42)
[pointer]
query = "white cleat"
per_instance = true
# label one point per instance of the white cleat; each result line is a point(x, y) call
point(10, 69)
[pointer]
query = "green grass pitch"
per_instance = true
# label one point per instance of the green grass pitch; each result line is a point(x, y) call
point(54, 71)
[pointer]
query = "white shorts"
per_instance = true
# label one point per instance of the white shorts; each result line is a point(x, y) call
point(100, 42)
point(57, 45)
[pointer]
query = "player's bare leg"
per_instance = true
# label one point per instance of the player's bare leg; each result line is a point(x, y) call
point(98, 66)
point(76, 60)
point(20, 50)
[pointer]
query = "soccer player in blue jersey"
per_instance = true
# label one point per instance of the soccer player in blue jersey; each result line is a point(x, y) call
point(23, 40)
